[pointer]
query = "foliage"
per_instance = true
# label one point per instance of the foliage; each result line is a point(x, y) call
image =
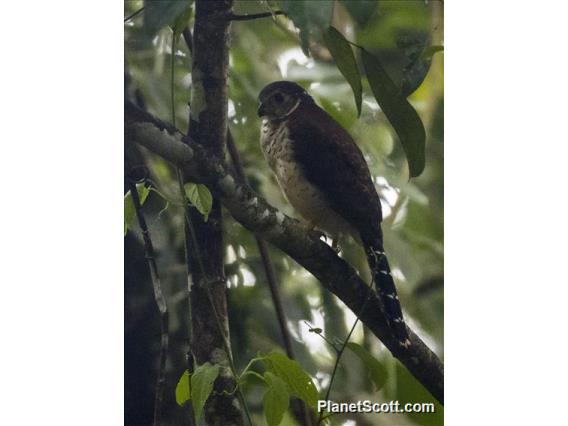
point(183, 388)
point(377, 372)
point(343, 55)
point(398, 73)
point(200, 197)
point(129, 210)
point(276, 399)
point(398, 110)
point(201, 386)
point(159, 13)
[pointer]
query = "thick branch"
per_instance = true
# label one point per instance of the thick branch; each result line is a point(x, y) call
point(254, 213)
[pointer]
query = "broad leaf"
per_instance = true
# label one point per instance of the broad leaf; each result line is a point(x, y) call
point(309, 16)
point(298, 381)
point(159, 13)
point(199, 197)
point(201, 386)
point(402, 116)
point(345, 61)
point(376, 370)
point(183, 393)
point(276, 399)
point(129, 210)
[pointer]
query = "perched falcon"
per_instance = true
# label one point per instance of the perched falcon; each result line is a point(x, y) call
point(324, 176)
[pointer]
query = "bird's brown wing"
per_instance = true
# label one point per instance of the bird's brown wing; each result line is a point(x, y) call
point(331, 161)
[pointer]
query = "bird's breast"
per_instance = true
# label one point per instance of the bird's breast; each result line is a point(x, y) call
point(306, 198)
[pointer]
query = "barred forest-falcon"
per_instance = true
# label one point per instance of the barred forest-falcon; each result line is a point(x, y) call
point(324, 176)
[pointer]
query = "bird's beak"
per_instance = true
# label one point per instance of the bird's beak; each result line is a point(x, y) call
point(261, 111)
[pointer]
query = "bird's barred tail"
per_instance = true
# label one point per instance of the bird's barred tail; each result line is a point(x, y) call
point(387, 292)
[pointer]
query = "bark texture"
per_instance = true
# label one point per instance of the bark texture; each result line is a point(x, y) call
point(208, 126)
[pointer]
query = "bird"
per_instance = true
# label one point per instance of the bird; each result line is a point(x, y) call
point(324, 176)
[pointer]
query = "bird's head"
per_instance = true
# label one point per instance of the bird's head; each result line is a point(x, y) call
point(280, 99)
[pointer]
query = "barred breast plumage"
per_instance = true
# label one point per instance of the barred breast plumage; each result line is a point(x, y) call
point(306, 199)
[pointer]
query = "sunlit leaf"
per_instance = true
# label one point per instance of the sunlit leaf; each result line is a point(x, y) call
point(202, 385)
point(377, 371)
point(200, 197)
point(276, 399)
point(129, 211)
point(159, 13)
point(183, 393)
point(309, 16)
point(299, 382)
point(402, 116)
point(345, 61)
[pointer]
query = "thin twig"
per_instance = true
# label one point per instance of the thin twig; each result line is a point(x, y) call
point(342, 348)
point(190, 359)
point(325, 339)
point(160, 302)
point(251, 16)
point(128, 18)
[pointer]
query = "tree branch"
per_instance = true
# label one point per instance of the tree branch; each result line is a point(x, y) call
point(255, 214)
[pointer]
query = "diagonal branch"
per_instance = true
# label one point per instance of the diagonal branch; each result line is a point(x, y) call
point(255, 214)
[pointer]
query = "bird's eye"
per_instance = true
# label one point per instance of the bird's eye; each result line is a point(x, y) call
point(278, 98)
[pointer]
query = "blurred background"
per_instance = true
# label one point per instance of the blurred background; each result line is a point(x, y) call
point(262, 51)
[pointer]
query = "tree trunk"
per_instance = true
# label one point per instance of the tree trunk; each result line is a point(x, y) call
point(208, 126)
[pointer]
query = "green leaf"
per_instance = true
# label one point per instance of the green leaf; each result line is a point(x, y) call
point(430, 51)
point(159, 13)
point(402, 116)
point(298, 381)
point(199, 197)
point(309, 17)
point(376, 370)
point(183, 393)
point(276, 399)
point(129, 210)
point(345, 61)
point(416, 70)
point(202, 385)
point(361, 10)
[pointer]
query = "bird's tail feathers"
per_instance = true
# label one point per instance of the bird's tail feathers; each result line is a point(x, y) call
point(384, 282)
